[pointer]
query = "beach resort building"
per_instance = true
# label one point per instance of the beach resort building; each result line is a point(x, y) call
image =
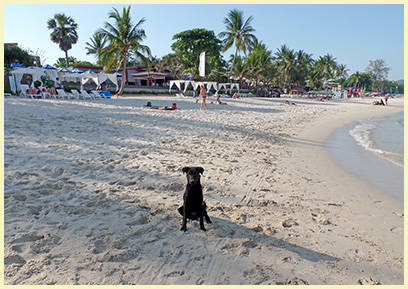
point(139, 76)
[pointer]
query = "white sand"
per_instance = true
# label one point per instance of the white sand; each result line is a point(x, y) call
point(92, 188)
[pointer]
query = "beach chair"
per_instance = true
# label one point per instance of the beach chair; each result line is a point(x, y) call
point(86, 95)
point(96, 94)
point(24, 93)
point(76, 93)
point(65, 94)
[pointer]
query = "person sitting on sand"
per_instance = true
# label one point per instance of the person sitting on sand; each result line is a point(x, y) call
point(235, 95)
point(218, 100)
point(173, 107)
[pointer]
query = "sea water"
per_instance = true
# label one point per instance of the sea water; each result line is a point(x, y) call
point(373, 150)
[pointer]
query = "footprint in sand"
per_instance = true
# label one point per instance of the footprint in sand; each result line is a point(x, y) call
point(98, 247)
point(14, 259)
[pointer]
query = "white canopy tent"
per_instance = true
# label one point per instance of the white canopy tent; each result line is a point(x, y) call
point(57, 76)
point(194, 84)
point(227, 86)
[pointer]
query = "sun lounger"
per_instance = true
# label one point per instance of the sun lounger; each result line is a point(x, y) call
point(24, 93)
point(86, 95)
point(95, 94)
point(76, 93)
point(65, 94)
point(100, 94)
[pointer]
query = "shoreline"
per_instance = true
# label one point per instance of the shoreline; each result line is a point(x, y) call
point(345, 186)
point(374, 169)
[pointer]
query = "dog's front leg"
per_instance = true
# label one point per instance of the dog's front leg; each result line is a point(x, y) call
point(202, 223)
point(184, 226)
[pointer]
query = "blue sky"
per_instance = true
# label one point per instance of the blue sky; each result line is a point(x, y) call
point(353, 34)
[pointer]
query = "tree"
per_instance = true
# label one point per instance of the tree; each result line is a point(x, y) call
point(304, 62)
point(63, 32)
point(378, 71)
point(189, 44)
point(341, 71)
point(61, 62)
point(358, 79)
point(258, 62)
point(95, 46)
point(172, 63)
point(15, 54)
point(124, 39)
point(327, 64)
point(238, 32)
point(286, 63)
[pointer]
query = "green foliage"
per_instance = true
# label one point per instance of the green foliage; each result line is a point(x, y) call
point(238, 32)
point(97, 42)
point(124, 39)
point(61, 62)
point(7, 90)
point(15, 54)
point(68, 88)
point(359, 79)
point(378, 71)
point(37, 83)
point(385, 85)
point(190, 43)
point(172, 63)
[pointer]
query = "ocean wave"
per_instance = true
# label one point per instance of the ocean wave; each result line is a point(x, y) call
point(361, 133)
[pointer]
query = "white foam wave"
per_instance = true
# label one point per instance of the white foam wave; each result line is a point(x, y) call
point(362, 135)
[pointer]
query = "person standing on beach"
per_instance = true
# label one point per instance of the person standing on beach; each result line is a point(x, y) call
point(203, 95)
point(386, 99)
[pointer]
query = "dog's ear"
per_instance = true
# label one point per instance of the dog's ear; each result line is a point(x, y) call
point(185, 170)
point(200, 170)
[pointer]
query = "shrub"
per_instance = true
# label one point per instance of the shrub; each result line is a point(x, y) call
point(37, 83)
point(7, 90)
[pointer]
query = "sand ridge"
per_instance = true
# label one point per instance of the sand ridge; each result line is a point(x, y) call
point(92, 188)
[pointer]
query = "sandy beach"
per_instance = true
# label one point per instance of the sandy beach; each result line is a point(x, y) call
point(92, 189)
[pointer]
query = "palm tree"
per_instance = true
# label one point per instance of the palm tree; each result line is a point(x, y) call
point(341, 71)
point(258, 62)
point(286, 63)
point(95, 46)
point(304, 62)
point(63, 32)
point(173, 63)
point(327, 64)
point(238, 32)
point(124, 38)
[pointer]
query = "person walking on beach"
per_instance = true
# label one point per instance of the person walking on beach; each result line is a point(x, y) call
point(203, 95)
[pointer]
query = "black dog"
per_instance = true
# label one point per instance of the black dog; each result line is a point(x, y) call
point(194, 206)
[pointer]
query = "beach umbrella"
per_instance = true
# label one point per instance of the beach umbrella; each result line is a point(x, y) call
point(90, 71)
point(15, 65)
point(76, 70)
point(48, 67)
